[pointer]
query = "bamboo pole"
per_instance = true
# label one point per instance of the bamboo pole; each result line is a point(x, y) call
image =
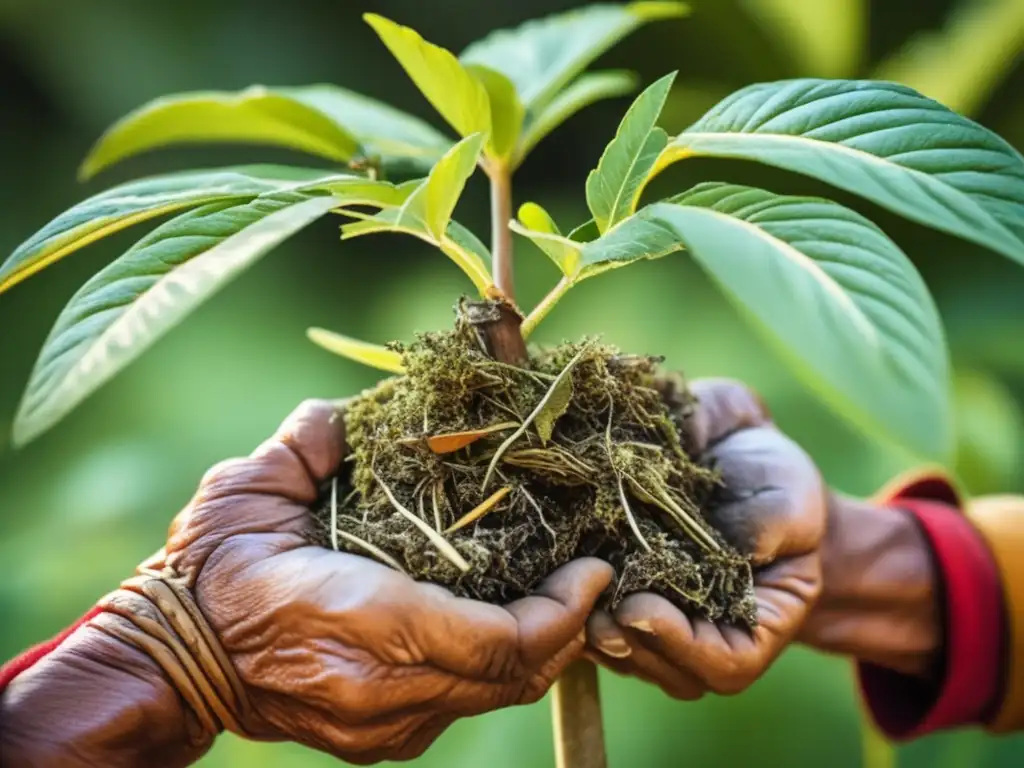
point(576, 707)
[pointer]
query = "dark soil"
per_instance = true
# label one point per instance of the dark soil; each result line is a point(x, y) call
point(445, 483)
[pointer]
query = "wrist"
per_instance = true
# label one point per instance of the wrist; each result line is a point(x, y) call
point(880, 600)
point(96, 700)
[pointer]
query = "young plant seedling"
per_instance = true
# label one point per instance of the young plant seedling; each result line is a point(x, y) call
point(480, 464)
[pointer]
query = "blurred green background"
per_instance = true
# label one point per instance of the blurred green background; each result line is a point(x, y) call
point(80, 507)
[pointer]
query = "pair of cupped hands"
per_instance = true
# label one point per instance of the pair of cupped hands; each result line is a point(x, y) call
point(346, 655)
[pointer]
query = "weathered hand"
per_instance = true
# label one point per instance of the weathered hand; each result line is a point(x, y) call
point(333, 650)
point(340, 652)
point(781, 507)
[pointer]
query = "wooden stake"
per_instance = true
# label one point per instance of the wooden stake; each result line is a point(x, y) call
point(576, 706)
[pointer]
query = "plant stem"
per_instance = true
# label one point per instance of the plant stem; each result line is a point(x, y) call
point(576, 701)
point(546, 305)
point(576, 706)
point(501, 235)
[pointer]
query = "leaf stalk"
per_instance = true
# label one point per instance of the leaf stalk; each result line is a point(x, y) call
point(546, 305)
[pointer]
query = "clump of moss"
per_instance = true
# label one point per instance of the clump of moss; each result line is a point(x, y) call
point(485, 477)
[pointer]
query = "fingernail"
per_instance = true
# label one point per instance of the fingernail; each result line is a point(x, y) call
point(615, 647)
point(643, 625)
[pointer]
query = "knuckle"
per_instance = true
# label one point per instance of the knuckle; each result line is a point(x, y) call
point(739, 676)
point(220, 474)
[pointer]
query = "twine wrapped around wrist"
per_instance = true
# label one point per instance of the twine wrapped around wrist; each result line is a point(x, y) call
point(162, 620)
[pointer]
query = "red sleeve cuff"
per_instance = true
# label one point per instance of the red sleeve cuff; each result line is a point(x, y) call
point(20, 663)
point(966, 688)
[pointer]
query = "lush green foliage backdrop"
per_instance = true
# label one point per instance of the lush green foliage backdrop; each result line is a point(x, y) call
point(82, 505)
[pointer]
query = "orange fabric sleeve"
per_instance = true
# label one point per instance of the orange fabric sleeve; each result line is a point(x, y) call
point(1000, 520)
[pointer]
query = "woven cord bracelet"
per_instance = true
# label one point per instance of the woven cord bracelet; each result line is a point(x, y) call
point(162, 620)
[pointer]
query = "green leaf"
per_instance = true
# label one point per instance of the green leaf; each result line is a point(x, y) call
point(614, 186)
point(553, 408)
point(373, 355)
point(555, 392)
point(633, 239)
point(586, 90)
point(136, 201)
point(542, 56)
point(839, 299)
point(455, 93)
point(426, 213)
point(458, 244)
point(255, 115)
point(882, 141)
point(506, 111)
point(443, 187)
point(131, 303)
point(323, 120)
point(536, 224)
point(401, 141)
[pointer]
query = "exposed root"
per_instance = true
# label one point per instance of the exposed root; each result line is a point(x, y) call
point(592, 451)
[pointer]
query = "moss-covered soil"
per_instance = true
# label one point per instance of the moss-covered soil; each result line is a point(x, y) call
point(485, 477)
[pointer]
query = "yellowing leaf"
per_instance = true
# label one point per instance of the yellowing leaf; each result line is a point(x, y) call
point(455, 93)
point(453, 441)
point(373, 355)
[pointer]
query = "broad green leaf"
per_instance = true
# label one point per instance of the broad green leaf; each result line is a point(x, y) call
point(584, 91)
point(136, 201)
point(255, 115)
point(614, 186)
point(373, 355)
point(506, 111)
point(455, 93)
point(542, 56)
point(323, 120)
point(839, 299)
point(131, 303)
point(882, 141)
point(536, 224)
point(400, 140)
